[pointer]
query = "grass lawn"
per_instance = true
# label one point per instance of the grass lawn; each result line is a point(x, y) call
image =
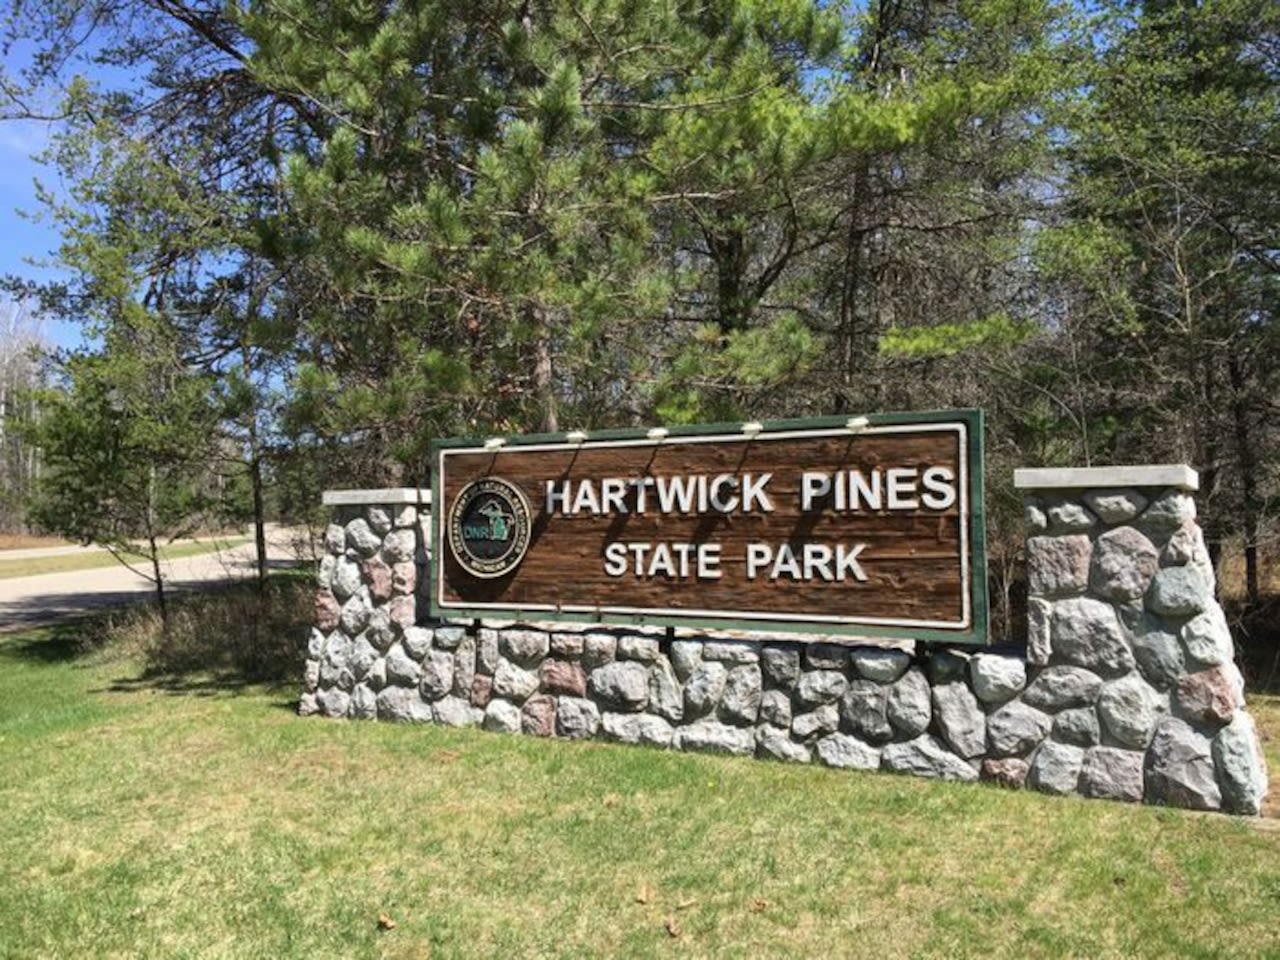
point(197, 816)
point(65, 563)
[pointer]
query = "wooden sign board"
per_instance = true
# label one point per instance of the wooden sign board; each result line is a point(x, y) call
point(870, 527)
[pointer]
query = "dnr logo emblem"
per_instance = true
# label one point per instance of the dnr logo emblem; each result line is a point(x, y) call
point(489, 527)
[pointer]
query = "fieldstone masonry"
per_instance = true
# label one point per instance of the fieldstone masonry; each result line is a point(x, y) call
point(1126, 690)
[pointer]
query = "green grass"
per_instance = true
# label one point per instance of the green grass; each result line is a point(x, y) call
point(66, 563)
point(198, 816)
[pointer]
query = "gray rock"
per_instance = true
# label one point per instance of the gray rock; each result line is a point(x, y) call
point(577, 718)
point(356, 613)
point(336, 676)
point(381, 631)
point(456, 712)
point(362, 539)
point(909, 706)
point(437, 675)
point(1185, 546)
point(1242, 769)
point(1039, 619)
point(379, 519)
point(882, 666)
point(960, 719)
point(704, 688)
point(308, 705)
point(449, 638)
point(1034, 518)
point(775, 743)
point(525, 647)
point(1055, 768)
point(513, 682)
point(501, 716)
point(364, 703)
point(781, 666)
point(926, 756)
point(686, 656)
point(1079, 727)
point(311, 676)
point(376, 678)
point(740, 702)
point(487, 655)
point(817, 687)
point(1057, 566)
point(337, 649)
point(636, 728)
point(362, 657)
point(825, 719)
point(632, 647)
point(1110, 773)
point(328, 569)
point(1124, 562)
point(464, 667)
point(1060, 688)
point(417, 641)
point(1169, 512)
point(1129, 709)
point(335, 539)
point(665, 697)
point(599, 649)
point(402, 705)
point(944, 666)
point(826, 656)
point(865, 710)
point(1179, 768)
point(732, 651)
point(1179, 592)
point(1069, 515)
point(399, 545)
point(842, 750)
point(1207, 639)
point(1087, 633)
point(997, 678)
point(567, 645)
point(712, 737)
point(315, 644)
point(621, 685)
point(402, 670)
point(775, 708)
point(1115, 506)
point(1159, 654)
point(1016, 729)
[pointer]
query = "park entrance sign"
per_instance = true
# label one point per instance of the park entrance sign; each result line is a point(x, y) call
point(863, 526)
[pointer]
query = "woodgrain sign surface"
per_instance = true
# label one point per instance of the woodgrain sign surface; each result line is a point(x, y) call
point(826, 526)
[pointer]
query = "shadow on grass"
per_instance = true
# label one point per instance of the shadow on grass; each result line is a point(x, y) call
point(218, 642)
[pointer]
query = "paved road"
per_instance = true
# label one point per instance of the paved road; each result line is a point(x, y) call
point(34, 601)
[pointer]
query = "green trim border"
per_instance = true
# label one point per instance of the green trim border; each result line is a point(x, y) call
point(977, 634)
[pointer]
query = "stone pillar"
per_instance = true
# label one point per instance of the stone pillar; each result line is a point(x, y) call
point(1128, 646)
point(371, 585)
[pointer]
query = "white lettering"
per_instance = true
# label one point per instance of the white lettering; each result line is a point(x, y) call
point(613, 494)
point(902, 489)
point(758, 557)
point(865, 490)
point(940, 482)
point(847, 562)
point(715, 493)
point(557, 499)
point(586, 498)
point(817, 558)
point(813, 487)
point(709, 561)
point(784, 561)
point(615, 559)
point(753, 491)
point(677, 493)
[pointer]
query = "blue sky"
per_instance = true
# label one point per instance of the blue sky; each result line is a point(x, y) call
point(22, 238)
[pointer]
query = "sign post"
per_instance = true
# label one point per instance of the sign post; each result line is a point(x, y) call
point(865, 527)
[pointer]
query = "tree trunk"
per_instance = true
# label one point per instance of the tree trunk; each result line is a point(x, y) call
point(1248, 461)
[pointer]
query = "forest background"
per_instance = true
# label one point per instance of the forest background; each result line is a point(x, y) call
point(305, 238)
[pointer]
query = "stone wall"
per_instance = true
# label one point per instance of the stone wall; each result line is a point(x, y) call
point(1126, 689)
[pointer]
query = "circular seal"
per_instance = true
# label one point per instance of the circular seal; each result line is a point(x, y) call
point(489, 527)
